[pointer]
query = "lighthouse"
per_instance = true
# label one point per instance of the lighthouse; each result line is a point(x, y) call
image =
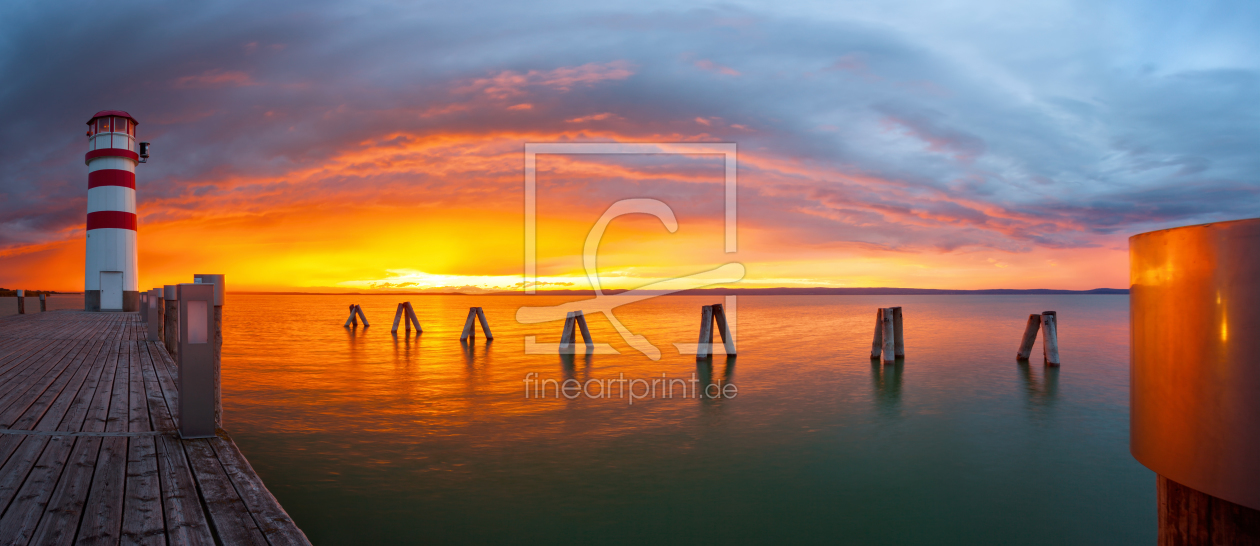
point(110, 280)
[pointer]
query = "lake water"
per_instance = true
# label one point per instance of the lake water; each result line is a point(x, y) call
point(368, 438)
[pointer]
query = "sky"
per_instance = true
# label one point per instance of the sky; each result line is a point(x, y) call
point(357, 146)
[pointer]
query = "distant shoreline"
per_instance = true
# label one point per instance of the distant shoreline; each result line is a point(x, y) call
point(745, 292)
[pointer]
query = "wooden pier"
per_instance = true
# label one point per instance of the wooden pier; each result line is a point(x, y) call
point(89, 450)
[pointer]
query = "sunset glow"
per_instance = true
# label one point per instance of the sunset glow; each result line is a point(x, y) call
point(373, 170)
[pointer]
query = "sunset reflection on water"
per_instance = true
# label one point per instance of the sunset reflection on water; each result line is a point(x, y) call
point(369, 437)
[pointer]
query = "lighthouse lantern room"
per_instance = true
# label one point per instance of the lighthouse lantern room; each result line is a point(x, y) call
point(110, 279)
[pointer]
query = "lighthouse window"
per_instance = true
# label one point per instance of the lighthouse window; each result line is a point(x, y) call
point(102, 125)
point(120, 125)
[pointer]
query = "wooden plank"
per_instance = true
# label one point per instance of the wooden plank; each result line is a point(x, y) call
point(230, 516)
point(119, 400)
point(17, 379)
point(142, 508)
point(103, 513)
point(274, 522)
point(184, 520)
point(19, 521)
point(158, 410)
point(34, 386)
point(22, 417)
point(82, 402)
point(65, 505)
point(21, 452)
point(877, 344)
point(57, 410)
point(138, 410)
point(98, 410)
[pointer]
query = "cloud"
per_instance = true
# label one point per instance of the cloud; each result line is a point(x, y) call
point(900, 131)
point(214, 78)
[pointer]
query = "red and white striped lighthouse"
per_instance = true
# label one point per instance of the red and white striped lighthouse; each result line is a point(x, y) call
point(111, 278)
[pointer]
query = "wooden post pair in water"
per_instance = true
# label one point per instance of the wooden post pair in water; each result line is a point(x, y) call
point(708, 315)
point(475, 313)
point(890, 341)
point(407, 316)
point(573, 322)
point(356, 312)
point(1047, 322)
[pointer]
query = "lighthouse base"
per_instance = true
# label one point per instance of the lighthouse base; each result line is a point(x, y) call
point(92, 301)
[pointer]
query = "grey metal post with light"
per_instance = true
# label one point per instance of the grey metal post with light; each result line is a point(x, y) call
point(153, 313)
point(170, 320)
point(216, 329)
point(144, 308)
point(196, 361)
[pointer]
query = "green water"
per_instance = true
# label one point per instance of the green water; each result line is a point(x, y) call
point(370, 439)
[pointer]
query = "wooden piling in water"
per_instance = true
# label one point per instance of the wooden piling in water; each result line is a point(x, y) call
point(1050, 339)
point(728, 339)
point(890, 336)
point(709, 315)
point(704, 349)
point(475, 314)
point(407, 316)
point(356, 313)
point(575, 321)
point(899, 340)
point(877, 345)
point(1030, 337)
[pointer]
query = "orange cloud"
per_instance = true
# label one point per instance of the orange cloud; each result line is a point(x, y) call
point(214, 78)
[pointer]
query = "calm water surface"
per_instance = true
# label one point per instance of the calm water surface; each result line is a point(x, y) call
point(368, 438)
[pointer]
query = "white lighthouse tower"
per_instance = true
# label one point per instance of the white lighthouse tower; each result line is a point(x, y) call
point(111, 278)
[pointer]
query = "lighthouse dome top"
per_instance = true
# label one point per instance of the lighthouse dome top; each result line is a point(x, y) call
point(115, 113)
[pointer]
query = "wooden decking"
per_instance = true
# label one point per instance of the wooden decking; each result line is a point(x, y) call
point(89, 452)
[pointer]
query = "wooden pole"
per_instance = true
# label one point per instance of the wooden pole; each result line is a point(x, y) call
point(1050, 345)
point(728, 340)
point(704, 348)
point(566, 334)
point(899, 340)
point(398, 316)
point(43, 303)
point(1030, 337)
point(352, 319)
point(890, 352)
point(485, 325)
point(411, 316)
point(580, 320)
point(1191, 517)
point(21, 295)
point(358, 309)
point(877, 346)
point(469, 329)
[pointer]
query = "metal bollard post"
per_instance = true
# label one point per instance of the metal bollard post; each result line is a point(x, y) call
point(153, 313)
point(21, 295)
point(170, 324)
point(217, 330)
point(43, 302)
point(196, 361)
